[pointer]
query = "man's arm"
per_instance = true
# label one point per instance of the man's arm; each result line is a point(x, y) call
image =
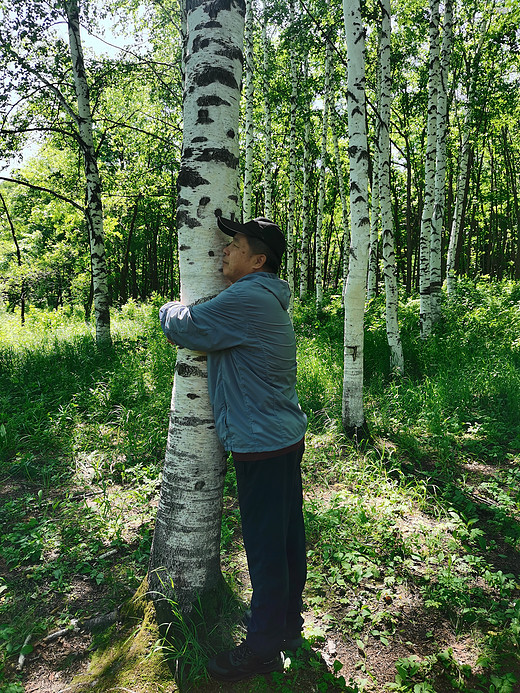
point(211, 326)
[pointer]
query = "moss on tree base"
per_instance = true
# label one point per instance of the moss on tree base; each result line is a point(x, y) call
point(130, 659)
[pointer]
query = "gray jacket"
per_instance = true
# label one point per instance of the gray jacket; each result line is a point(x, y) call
point(248, 336)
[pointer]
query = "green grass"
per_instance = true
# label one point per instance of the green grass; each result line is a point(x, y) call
point(428, 514)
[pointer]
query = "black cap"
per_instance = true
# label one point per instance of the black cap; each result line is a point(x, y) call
point(264, 229)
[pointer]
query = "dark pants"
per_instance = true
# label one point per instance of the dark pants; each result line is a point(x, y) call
point(270, 497)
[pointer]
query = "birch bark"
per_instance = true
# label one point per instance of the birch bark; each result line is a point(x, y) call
point(292, 168)
point(462, 178)
point(94, 205)
point(186, 543)
point(355, 293)
point(322, 168)
point(304, 248)
point(387, 229)
point(342, 197)
point(440, 165)
point(249, 124)
point(268, 157)
point(429, 173)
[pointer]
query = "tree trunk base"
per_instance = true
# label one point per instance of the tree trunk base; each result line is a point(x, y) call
point(193, 630)
point(359, 435)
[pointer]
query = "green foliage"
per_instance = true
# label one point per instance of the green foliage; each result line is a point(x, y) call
point(429, 509)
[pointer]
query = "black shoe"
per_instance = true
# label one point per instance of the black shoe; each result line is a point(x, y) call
point(242, 663)
point(292, 644)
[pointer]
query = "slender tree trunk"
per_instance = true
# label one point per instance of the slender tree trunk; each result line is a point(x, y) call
point(322, 188)
point(342, 196)
point(186, 545)
point(268, 161)
point(440, 166)
point(304, 248)
point(387, 230)
point(429, 173)
point(290, 254)
point(355, 293)
point(18, 259)
point(249, 123)
point(94, 206)
point(375, 216)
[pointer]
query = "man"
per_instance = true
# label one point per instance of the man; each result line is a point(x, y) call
point(250, 342)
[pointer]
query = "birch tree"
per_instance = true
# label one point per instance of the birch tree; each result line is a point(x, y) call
point(304, 247)
point(292, 164)
point(268, 161)
point(322, 171)
point(36, 62)
point(463, 163)
point(440, 164)
point(94, 204)
point(185, 556)
point(387, 230)
point(355, 292)
point(249, 123)
point(429, 172)
point(342, 193)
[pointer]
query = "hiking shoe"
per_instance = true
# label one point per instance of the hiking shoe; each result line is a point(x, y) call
point(292, 644)
point(242, 663)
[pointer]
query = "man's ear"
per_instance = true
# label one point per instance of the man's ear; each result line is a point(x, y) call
point(260, 261)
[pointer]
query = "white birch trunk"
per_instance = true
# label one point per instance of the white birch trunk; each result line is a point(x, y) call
point(94, 205)
point(249, 123)
point(355, 293)
point(429, 173)
point(304, 252)
point(440, 165)
point(342, 197)
point(268, 157)
point(186, 545)
point(292, 169)
point(375, 215)
point(456, 226)
point(387, 230)
point(321, 194)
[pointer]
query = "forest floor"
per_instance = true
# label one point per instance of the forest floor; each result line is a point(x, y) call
point(413, 539)
point(396, 626)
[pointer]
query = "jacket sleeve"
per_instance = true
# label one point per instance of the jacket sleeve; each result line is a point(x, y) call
point(211, 326)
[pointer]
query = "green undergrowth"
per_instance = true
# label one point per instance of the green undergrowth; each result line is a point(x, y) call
point(413, 541)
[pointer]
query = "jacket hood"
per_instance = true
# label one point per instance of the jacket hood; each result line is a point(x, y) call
point(272, 282)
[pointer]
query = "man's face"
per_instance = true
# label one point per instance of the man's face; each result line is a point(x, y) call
point(238, 260)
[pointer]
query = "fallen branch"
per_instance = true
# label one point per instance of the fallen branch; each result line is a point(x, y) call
point(21, 658)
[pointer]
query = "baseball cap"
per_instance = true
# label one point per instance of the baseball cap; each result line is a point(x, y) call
point(264, 229)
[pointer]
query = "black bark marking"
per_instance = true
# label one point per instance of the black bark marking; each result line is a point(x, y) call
point(208, 25)
point(234, 198)
point(200, 485)
point(204, 201)
point(212, 101)
point(218, 212)
point(211, 253)
point(199, 139)
point(203, 117)
point(184, 219)
point(199, 44)
point(187, 153)
point(184, 370)
point(218, 154)
point(210, 75)
point(192, 395)
point(182, 202)
point(184, 247)
point(231, 134)
point(189, 178)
